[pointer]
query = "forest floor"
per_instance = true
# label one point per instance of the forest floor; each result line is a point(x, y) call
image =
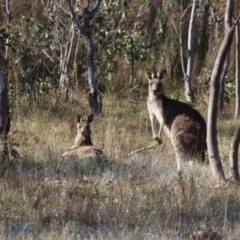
point(44, 196)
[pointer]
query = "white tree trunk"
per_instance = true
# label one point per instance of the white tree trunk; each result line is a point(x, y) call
point(66, 50)
point(237, 74)
point(188, 76)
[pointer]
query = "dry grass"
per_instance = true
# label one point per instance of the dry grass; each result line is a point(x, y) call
point(141, 197)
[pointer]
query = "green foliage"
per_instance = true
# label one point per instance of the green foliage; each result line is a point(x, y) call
point(9, 39)
point(120, 40)
point(95, 190)
point(128, 36)
point(229, 91)
point(133, 48)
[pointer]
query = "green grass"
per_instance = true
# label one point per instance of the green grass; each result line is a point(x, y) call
point(141, 197)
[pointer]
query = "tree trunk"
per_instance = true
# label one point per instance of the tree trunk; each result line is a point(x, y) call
point(203, 35)
point(66, 50)
point(237, 73)
point(92, 81)
point(188, 75)
point(233, 155)
point(7, 20)
point(4, 110)
point(222, 83)
point(86, 31)
point(132, 67)
point(212, 144)
point(4, 103)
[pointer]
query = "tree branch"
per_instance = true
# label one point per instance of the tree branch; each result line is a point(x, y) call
point(142, 149)
point(82, 30)
point(85, 30)
point(94, 11)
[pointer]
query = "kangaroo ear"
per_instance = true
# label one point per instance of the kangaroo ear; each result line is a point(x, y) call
point(79, 118)
point(90, 117)
point(149, 74)
point(162, 74)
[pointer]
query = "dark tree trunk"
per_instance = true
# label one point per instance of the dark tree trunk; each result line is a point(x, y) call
point(4, 108)
point(86, 31)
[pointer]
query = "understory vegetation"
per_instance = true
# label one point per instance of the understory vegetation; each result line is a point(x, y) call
point(139, 197)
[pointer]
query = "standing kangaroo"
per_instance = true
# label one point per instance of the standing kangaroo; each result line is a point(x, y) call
point(183, 124)
point(83, 145)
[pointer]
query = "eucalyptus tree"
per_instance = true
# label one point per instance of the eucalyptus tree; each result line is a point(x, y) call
point(86, 31)
point(187, 72)
point(212, 143)
point(126, 41)
point(237, 71)
point(7, 21)
point(4, 62)
point(66, 50)
point(4, 107)
point(233, 154)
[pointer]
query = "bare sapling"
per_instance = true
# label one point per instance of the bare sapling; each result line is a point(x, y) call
point(183, 124)
point(83, 145)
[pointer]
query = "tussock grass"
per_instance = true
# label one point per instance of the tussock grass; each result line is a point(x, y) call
point(44, 196)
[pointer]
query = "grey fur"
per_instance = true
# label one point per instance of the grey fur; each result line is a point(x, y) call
point(183, 124)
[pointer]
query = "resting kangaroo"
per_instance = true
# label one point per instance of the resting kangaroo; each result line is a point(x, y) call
point(83, 145)
point(183, 124)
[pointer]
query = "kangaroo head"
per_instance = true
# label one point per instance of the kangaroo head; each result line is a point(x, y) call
point(155, 82)
point(83, 125)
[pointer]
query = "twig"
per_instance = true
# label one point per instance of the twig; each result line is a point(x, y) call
point(43, 50)
point(143, 149)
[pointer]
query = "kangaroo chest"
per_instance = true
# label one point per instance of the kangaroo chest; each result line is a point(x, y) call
point(155, 107)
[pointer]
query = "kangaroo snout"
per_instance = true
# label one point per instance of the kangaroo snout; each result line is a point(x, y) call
point(85, 131)
point(155, 92)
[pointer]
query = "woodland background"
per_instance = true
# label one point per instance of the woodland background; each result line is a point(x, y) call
point(128, 36)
